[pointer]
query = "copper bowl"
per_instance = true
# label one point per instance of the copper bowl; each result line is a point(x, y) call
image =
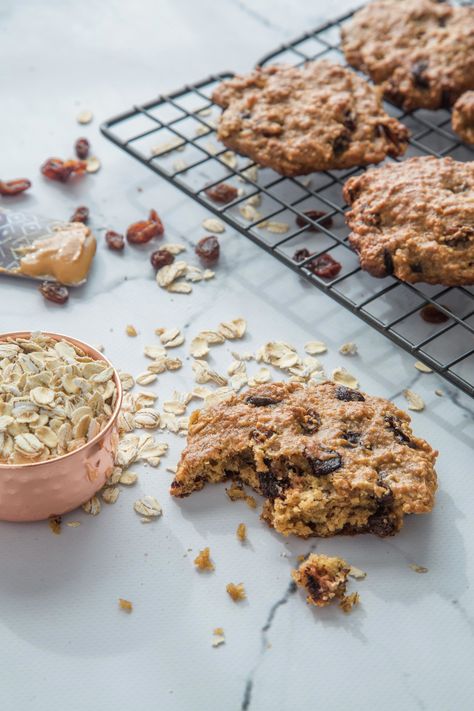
point(35, 491)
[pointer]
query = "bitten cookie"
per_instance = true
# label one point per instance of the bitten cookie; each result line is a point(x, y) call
point(328, 459)
point(463, 117)
point(422, 53)
point(300, 119)
point(415, 219)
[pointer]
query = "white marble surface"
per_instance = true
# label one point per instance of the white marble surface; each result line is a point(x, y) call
point(64, 644)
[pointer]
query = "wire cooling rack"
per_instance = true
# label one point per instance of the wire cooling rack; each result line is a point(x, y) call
point(174, 135)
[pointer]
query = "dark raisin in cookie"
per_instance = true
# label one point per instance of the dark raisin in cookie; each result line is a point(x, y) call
point(326, 462)
point(420, 52)
point(323, 577)
point(415, 220)
point(300, 119)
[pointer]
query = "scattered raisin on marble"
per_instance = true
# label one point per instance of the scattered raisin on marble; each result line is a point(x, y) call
point(313, 215)
point(14, 187)
point(301, 254)
point(114, 240)
point(55, 292)
point(81, 214)
point(261, 400)
point(325, 266)
point(161, 258)
point(320, 467)
point(154, 217)
point(81, 147)
point(348, 394)
point(143, 231)
point(223, 193)
point(208, 249)
point(431, 314)
point(61, 170)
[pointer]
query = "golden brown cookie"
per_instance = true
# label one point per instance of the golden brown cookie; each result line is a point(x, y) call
point(420, 51)
point(463, 117)
point(328, 459)
point(300, 119)
point(415, 220)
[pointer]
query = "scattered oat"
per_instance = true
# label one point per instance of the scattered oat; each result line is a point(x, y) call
point(212, 224)
point(92, 506)
point(73, 524)
point(148, 506)
point(174, 143)
point(415, 401)
point(348, 349)
point(236, 591)
point(357, 573)
point(349, 601)
point(173, 248)
point(422, 367)
point(250, 173)
point(203, 560)
point(55, 524)
point(169, 273)
point(218, 637)
point(125, 605)
point(199, 347)
point(131, 331)
point(203, 373)
point(146, 378)
point(278, 228)
point(127, 380)
point(241, 532)
point(201, 130)
point(233, 329)
point(85, 116)
point(263, 375)
point(341, 376)
point(93, 164)
point(418, 568)
point(439, 392)
point(249, 212)
point(315, 347)
point(128, 478)
point(180, 165)
point(110, 494)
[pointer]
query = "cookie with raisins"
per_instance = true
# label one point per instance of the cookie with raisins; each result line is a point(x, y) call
point(328, 459)
point(296, 120)
point(415, 220)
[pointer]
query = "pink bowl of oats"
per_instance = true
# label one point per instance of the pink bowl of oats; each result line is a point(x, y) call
point(59, 404)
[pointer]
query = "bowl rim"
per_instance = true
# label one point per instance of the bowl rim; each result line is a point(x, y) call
point(96, 355)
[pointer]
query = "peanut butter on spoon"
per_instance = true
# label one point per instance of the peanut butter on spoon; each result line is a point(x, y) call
point(65, 256)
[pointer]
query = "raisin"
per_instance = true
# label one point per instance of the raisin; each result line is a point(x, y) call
point(161, 258)
point(53, 291)
point(261, 434)
point(143, 231)
point(431, 314)
point(324, 266)
point(352, 437)
point(341, 144)
point(313, 215)
point(388, 262)
point(14, 187)
point(81, 214)
point(416, 268)
point(81, 147)
point(381, 522)
point(311, 422)
point(313, 587)
point(269, 485)
point(114, 240)
point(154, 217)
point(222, 193)
point(320, 467)
point(418, 70)
point(261, 400)
point(301, 254)
point(61, 170)
point(208, 249)
point(348, 394)
point(461, 238)
point(349, 121)
point(393, 424)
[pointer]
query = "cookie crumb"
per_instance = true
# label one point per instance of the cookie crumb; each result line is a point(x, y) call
point(236, 591)
point(55, 524)
point(419, 365)
point(131, 331)
point(236, 492)
point(241, 532)
point(125, 605)
point(356, 573)
point(218, 637)
point(349, 601)
point(348, 349)
point(73, 524)
point(418, 568)
point(324, 579)
point(203, 560)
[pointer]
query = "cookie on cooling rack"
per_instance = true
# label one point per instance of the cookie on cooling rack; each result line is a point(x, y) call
point(297, 120)
point(463, 117)
point(328, 459)
point(415, 219)
point(422, 53)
